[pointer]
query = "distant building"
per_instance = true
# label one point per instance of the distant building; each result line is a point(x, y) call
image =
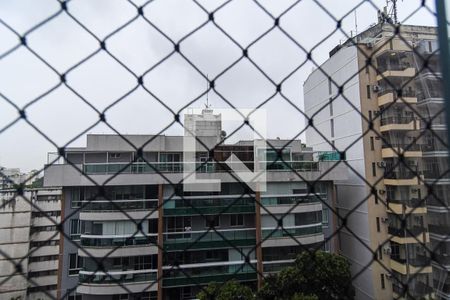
point(30, 239)
point(404, 152)
point(13, 176)
point(202, 236)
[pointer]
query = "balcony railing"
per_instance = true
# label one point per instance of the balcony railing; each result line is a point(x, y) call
point(405, 93)
point(413, 203)
point(209, 239)
point(406, 232)
point(396, 120)
point(402, 147)
point(418, 261)
point(439, 229)
point(117, 276)
point(209, 272)
point(209, 205)
point(292, 199)
point(296, 231)
point(117, 240)
point(118, 205)
point(400, 174)
point(208, 167)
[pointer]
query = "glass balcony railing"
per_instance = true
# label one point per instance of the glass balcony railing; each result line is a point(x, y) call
point(209, 273)
point(292, 199)
point(118, 205)
point(117, 277)
point(405, 93)
point(418, 261)
point(177, 167)
point(117, 241)
point(396, 120)
point(291, 231)
point(412, 231)
point(276, 266)
point(210, 239)
point(213, 205)
point(439, 229)
point(400, 174)
point(412, 203)
point(402, 147)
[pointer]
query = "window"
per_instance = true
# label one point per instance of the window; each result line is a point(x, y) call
point(76, 227)
point(368, 92)
point(376, 196)
point(75, 297)
point(325, 217)
point(121, 297)
point(114, 155)
point(75, 264)
point(370, 116)
point(372, 143)
point(76, 197)
point(212, 221)
point(332, 127)
point(178, 224)
point(331, 106)
point(383, 286)
point(378, 224)
point(237, 220)
point(374, 169)
point(330, 88)
point(143, 262)
point(380, 252)
point(391, 45)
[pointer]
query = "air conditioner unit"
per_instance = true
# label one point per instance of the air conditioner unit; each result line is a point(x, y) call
point(387, 250)
point(388, 276)
point(376, 88)
point(381, 164)
point(369, 45)
point(381, 192)
point(384, 220)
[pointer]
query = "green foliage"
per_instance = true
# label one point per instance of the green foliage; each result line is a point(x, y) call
point(231, 290)
point(320, 274)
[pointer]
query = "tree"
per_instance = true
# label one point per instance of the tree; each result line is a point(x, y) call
point(320, 274)
point(231, 290)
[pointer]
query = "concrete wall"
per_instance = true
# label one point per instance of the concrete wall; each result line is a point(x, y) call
point(345, 114)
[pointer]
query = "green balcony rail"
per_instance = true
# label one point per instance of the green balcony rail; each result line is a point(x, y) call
point(117, 277)
point(291, 231)
point(114, 241)
point(211, 239)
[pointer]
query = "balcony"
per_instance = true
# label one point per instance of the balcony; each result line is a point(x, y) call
point(401, 177)
point(210, 205)
point(412, 231)
point(408, 150)
point(174, 241)
point(396, 70)
point(292, 199)
point(118, 205)
point(116, 282)
point(277, 265)
point(112, 241)
point(443, 230)
point(420, 264)
point(205, 273)
point(390, 96)
point(271, 233)
point(396, 123)
point(410, 206)
point(204, 167)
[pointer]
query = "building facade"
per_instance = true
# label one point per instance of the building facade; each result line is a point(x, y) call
point(136, 234)
point(395, 201)
point(30, 239)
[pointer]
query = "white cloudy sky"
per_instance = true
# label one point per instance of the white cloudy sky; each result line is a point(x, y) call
point(62, 114)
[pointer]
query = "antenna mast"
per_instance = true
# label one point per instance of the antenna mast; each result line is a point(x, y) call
point(392, 5)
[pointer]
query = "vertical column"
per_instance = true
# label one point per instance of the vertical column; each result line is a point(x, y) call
point(61, 246)
point(259, 258)
point(160, 240)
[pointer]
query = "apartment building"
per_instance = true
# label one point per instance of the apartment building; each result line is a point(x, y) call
point(136, 234)
point(389, 119)
point(30, 240)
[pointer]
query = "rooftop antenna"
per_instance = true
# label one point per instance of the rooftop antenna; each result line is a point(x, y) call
point(356, 23)
point(392, 10)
